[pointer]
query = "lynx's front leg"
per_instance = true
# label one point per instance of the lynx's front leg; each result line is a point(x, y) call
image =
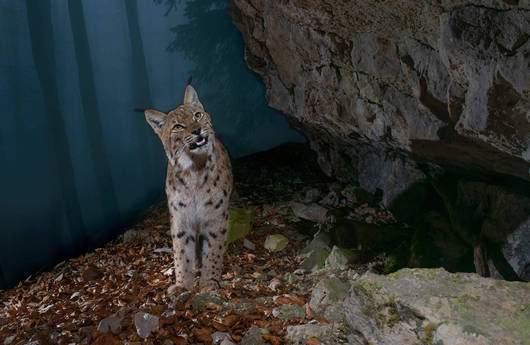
point(184, 245)
point(213, 249)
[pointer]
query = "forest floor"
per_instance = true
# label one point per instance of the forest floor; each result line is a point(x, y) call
point(117, 294)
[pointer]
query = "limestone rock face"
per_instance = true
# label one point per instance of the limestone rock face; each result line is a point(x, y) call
point(432, 306)
point(378, 86)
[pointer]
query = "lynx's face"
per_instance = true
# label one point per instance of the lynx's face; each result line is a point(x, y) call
point(185, 131)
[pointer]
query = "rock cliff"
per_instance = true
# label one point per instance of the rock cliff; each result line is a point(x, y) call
point(392, 94)
point(378, 85)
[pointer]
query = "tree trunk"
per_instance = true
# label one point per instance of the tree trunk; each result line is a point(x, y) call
point(92, 116)
point(140, 87)
point(41, 36)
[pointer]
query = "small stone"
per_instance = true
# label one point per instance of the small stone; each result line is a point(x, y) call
point(287, 312)
point(241, 220)
point(290, 278)
point(299, 334)
point(275, 284)
point(163, 250)
point(316, 260)
point(239, 308)
point(275, 243)
point(312, 212)
point(265, 300)
point(311, 195)
point(111, 323)
point(218, 337)
point(168, 313)
point(226, 341)
point(145, 324)
point(201, 299)
point(9, 340)
point(300, 271)
point(134, 235)
point(75, 294)
point(272, 273)
point(320, 240)
point(46, 308)
point(182, 297)
point(331, 199)
point(35, 342)
point(341, 258)
point(253, 337)
point(249, 245)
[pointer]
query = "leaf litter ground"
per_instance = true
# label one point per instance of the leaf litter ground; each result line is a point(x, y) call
point(128, 276)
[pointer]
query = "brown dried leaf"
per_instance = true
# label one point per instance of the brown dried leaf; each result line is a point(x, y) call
point(203, 334)
point(274, 340)
point(213, 306)
point(309, 314)
point(106, 339)
point(230, 320)
point(312, 341)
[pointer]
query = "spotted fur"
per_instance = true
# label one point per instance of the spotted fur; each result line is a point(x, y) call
point(198, 188)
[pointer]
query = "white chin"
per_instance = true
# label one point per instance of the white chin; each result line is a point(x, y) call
point(201, 149)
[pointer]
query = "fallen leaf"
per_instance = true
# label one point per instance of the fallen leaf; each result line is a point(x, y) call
point(309, 312)
point(106, 339)
point(213, 306)
point(312, 341)
point(290, 300)
point(203, 334)
point(230, 320)
point(274, 340)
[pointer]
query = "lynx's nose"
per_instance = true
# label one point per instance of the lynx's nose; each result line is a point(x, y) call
point(196, 131)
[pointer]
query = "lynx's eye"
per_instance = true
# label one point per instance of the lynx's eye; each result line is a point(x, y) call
point(178, 127)
point(197, 115)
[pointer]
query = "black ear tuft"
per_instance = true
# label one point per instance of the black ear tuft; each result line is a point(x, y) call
point(189, 80)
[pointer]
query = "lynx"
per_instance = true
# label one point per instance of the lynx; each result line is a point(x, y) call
point(198, 188)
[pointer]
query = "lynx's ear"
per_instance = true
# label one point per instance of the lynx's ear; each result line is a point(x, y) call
point(156, 119)
point(191, 97)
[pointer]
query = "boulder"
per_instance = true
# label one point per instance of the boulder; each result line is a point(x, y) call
point(287, 312)
point(299, 334)
point(432, 306)
point(312, 212)
point(327, 297)
point(241, 220)
point(341, 258)
point(316, 260)
point(145, 324)
point(200, 300)
point(321, 240)
point(276, 242)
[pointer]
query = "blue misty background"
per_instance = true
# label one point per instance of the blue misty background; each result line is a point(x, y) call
point(77, 164)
